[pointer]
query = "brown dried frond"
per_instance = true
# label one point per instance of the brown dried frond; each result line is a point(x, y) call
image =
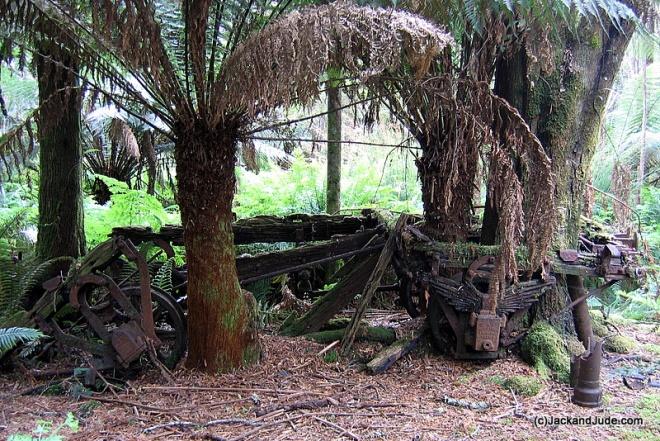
point(122, 134)
point(457, 119)
point(283, 63)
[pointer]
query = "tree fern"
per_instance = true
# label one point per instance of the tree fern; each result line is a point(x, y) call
point(11, 337)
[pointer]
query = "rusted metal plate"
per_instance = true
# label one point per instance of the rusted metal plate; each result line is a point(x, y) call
point(129, 341)
point(487, 332)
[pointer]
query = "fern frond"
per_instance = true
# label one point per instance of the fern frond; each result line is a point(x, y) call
point(163, 279)
point(12, 337)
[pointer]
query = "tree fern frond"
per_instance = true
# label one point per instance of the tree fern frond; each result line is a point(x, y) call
point(12, 337)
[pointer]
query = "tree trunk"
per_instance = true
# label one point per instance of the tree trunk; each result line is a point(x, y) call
point(334, 146)
point(221, 332)
point(563, 101)
point(450, 223)
point(61, 231)
point(641, 170)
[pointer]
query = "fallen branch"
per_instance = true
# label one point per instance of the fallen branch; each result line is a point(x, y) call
point(226, 389)
point(177, 424)
point(338, 428)
point(465, 404)
point(388, 356)
point(298, 405)
point(130, 403)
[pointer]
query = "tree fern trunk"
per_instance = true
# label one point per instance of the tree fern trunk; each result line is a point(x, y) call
point(61, 231)
point(220, 317)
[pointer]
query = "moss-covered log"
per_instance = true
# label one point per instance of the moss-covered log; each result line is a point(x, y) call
point(371, 333)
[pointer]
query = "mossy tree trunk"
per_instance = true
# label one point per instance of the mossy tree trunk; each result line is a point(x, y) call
point(221, 333)
point(333, 191)
point(563, 97)
point(61, 231)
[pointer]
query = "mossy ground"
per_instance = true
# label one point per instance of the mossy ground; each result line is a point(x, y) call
point(523, 385)
point(544, 349)
point(616, 343)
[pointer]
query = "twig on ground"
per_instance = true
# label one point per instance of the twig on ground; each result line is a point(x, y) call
point(327, 348)
point(179, 424)
point(338, 428)
point(227, 389)
point(131, 403)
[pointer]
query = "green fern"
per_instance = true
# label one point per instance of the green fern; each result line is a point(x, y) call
point(12, 337)
point(163, 279)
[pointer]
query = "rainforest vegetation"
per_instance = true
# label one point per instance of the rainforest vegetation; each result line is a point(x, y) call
point(526, 127)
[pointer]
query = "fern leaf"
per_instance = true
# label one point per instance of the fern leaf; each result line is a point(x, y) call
point(11, 337)
point(163, 279)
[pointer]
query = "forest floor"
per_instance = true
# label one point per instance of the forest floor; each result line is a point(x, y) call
point(407, 402)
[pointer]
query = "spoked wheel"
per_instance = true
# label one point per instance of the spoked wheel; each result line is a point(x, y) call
point(169, 322)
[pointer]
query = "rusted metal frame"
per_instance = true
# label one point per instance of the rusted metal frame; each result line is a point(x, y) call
point(78, 299)
point(147, 317)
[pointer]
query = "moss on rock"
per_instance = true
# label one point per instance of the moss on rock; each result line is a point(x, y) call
point(544, 349)
point(523, 385)
point(598, 324)
point(620, 344)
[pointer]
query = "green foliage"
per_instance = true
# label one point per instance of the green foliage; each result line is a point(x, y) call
point(45, 431)
point(12, 337)
point(331, 357)
point(127, 206)
point(369, 181)
point(163, 277)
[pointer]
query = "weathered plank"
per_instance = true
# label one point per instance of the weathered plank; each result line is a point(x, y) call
point(334, 301)
point(373, 283)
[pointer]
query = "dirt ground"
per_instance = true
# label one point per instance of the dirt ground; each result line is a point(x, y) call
point(405, 403)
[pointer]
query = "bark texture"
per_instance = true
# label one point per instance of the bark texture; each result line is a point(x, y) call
point(221, 328)
point(561, 87)
point(61, 231)
point(334, 150)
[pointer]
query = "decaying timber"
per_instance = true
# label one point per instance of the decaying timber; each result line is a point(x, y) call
point(126, 317)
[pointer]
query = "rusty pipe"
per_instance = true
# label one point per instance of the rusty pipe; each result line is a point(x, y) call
point(585, 374)
point(581, 317)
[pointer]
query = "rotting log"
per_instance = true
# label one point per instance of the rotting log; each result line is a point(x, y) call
point(371, 333)
point(265, 229)
point(388, 356)
point(278, 262)
point(372, 284)
point(334, 301)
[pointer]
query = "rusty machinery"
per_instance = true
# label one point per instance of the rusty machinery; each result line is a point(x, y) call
point(107, 307)
point(116, 322)
point(453, 287)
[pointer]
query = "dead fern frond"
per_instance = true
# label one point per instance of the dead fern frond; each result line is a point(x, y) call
point(283, 63)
